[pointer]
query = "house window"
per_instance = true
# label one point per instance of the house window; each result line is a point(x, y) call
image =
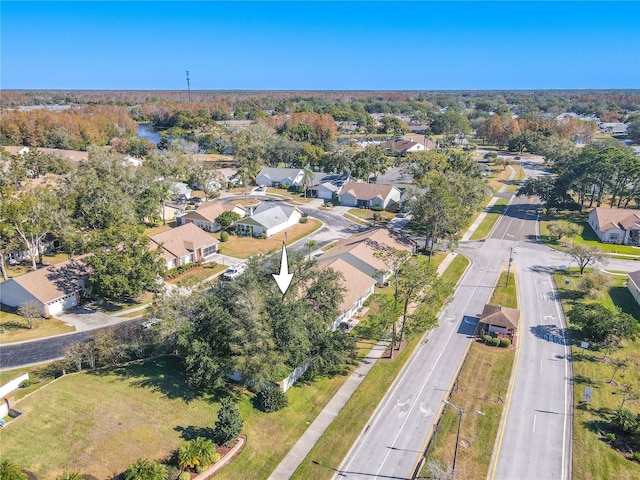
point(210, 250)
point(613, 237)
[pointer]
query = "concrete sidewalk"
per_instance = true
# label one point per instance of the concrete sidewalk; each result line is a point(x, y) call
point(303, 446)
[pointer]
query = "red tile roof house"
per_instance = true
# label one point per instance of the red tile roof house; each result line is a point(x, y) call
point(360, 251)
point(368, 195)
point(185, 244)
point(56, 288)
point(616, 225)
point(206, 215)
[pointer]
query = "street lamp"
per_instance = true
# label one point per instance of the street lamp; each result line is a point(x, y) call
point(460, 412)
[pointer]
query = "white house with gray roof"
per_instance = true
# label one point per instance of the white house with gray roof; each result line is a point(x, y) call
point(271, 177)
point(268, 220)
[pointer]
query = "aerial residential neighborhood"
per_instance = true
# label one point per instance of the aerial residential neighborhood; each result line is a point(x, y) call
point(310, 240)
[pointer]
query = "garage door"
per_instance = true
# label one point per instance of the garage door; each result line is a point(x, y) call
point(61, 304)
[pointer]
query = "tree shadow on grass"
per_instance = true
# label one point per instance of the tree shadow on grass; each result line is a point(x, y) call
point(160, 374)
point(192, 432)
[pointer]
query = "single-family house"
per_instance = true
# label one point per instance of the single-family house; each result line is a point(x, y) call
point(272, 177)
point(55, 288)
point(206, 215)
point(364, 251)
point(269, 219)
point(185, 244)
point(614, 128)
point(357, 286)
point(616, 225)
point(170, 210)
point(500, 320)
point(180, 189)
point(368, 195)
point(328, 185)
point(404, 146)
point(633, 285)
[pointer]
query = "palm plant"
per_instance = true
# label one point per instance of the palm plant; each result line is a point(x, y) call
point(311, 244)
point(144, 469)
point(307, 179)
point(10, 471)
point(200, 452)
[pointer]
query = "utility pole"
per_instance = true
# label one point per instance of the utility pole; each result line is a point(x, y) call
point(188, 86)
point(509, 265)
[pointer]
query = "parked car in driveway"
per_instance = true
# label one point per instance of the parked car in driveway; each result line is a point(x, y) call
point(234, 271)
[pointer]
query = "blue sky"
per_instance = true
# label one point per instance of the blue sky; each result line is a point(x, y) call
point(149, 45)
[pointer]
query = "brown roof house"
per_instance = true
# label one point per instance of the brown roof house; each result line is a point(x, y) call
point(206, 215)
point(56, 288)
point(360, 251)
point(368, 195)
point(616, 225)
point(357, 286)
point(499, 319)
point(185, 244)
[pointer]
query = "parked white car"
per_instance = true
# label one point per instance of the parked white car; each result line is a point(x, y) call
point(234, 271)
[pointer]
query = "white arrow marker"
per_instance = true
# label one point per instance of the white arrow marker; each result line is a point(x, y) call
point(283, 279)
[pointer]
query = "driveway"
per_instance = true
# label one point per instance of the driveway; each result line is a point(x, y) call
point(85, 319)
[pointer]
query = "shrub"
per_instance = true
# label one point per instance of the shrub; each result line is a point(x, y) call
point(272, 400)
point(262, 236)
point(304, 219)
point(494, 342)
point(184, 476)
point(377, 209)
point(487, 339)
point(229, 423)
point(636, 456)
point(25, 383)
point(505, 343)
point(210, 265)
point(224, 236)
point(328, 204)
point(611, 437)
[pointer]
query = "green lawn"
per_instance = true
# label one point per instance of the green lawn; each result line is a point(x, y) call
point(367, 215)
point(99, 422)
point(114, 306)
point(14, 328)
point(504, 292)
point(593, 457)
point(330, 450)
point(244, 247)
point(490, 219)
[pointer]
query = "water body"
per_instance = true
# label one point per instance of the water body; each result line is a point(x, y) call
point(146, 130)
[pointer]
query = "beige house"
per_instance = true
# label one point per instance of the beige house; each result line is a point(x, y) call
point(185, 244)
point(55, 288)
point(368, 195)
point(616, 225)
point(206, 215)
point(357, 286)
point(363, 251)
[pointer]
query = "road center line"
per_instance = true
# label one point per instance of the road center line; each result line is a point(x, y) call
point(535, 415)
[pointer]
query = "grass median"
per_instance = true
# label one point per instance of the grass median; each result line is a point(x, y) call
point(329, 452)
point(487, 224)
